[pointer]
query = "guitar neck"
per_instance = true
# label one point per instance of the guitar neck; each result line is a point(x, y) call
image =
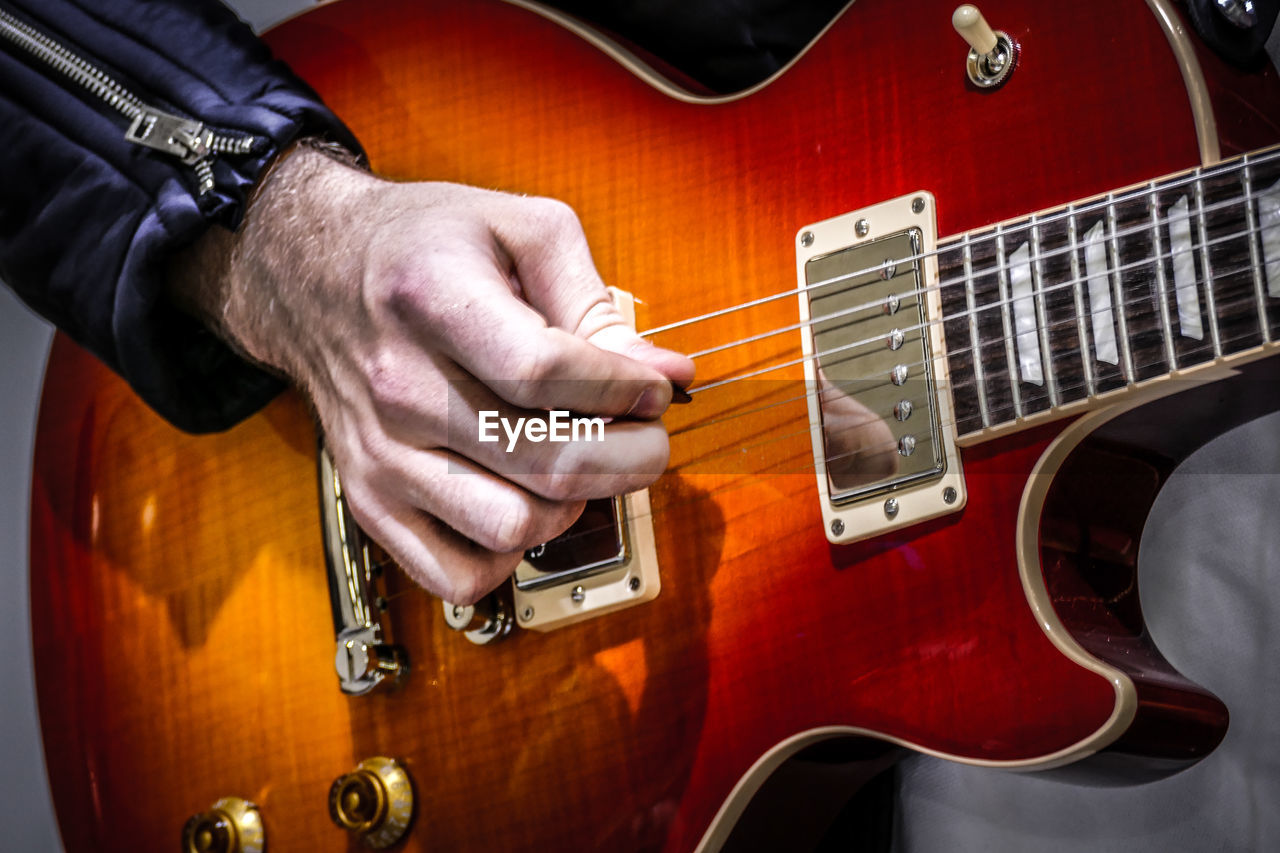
point(1065, 305)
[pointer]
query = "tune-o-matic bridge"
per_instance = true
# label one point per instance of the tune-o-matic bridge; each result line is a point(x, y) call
point(880, 416)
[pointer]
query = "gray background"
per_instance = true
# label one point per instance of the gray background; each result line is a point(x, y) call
point(1211, 588)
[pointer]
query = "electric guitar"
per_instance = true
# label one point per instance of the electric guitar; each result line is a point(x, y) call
point(903, 508)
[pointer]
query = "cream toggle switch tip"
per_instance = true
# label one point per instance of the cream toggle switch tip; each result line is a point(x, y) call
point(973, 28)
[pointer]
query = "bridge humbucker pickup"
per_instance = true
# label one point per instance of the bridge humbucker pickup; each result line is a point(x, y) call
point(875, 369)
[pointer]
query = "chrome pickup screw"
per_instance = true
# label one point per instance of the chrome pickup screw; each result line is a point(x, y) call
point(992, 54)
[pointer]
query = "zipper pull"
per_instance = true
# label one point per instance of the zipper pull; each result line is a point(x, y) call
point(187, 139)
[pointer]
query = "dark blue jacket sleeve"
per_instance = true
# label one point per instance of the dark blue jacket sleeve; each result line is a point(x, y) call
point(88, 219)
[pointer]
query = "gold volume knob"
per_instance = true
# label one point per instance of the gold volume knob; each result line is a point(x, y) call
point(231, 825)
point(374, 802)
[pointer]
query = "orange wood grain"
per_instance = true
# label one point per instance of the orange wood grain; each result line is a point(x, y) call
point(182, 630)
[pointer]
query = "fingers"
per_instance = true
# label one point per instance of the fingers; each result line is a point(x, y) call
point(436, 557)
point(455, 529)
point(557, 454)
point(558, 342)
point(559, 279)
point(489, 510)
point(456, 283)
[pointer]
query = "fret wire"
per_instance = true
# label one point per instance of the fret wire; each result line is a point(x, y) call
point(1255, 257)
point(939, 286)
point(1003, 302)
point(1011, 356)
point(1106, 202)
point(1210, 297)
point(1074, 245)
point(882, 415)
point(1224, 306)
point(1113, 275)
point(1042, 316)
point(1113, 223)
point(806, 430)
point(1128, 232)
point(971, 301)
point(1153, 204)
point(1165, 377)
point(1122, 268)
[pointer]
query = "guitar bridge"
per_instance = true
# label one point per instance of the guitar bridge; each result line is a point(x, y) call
point(880, 416)
point(363, 659)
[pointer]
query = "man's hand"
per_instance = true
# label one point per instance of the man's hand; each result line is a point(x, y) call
point(386, 303)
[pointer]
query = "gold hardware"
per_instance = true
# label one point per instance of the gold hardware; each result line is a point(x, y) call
point(373, 802)
point(231, 825)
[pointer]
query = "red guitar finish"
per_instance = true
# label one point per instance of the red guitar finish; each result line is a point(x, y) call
point(182, 631)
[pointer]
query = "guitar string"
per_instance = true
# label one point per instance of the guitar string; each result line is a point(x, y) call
point(1147, 191)
point(1002, 266)
point(1068, 325)
point(803, 457)
point(1035, 259)
point(1002, 269)
point(1079, 385)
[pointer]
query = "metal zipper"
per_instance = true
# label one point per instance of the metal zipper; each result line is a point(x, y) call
point(186, 139)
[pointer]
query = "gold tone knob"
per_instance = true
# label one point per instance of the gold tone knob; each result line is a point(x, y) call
point(373, 802)
point(231, 825)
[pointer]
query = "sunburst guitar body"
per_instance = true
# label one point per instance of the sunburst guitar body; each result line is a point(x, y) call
point(182, 621)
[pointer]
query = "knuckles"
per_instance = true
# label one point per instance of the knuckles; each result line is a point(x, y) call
point(551, 216)
point(512, 529)
point(391, 388)
point(532, 363)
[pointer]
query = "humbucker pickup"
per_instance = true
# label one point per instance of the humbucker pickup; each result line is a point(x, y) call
point(880, 414)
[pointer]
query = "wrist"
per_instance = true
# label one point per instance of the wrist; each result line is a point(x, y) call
point(256, 287)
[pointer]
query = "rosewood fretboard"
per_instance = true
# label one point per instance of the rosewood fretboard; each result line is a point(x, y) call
point(1095, 296)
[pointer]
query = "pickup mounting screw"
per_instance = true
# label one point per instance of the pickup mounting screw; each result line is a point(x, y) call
point(949, 494)
point(862, 228)
point(806, 239)
point(634, 584)
point(891, 507)
point(837, 527)
point(578, 595)
point(917, 205)
point(526, 614)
